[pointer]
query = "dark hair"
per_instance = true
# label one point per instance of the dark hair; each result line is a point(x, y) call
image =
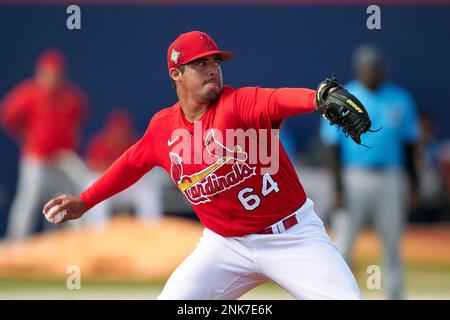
point(181, 68)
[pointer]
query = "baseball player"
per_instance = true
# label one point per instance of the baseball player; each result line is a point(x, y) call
point(259, 224)
point(44, 114)
point(372, 182)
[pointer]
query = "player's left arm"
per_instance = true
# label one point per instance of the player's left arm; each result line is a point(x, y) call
point(288, 102)
point(261, 107)
point(124, 172)
point(265, 108)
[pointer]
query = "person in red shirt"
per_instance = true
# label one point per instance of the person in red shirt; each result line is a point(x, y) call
point(103, 149)
point(220, 145)
point(113, 140)
point(44, 114)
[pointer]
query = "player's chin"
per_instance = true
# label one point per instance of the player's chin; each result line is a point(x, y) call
point(211, 92)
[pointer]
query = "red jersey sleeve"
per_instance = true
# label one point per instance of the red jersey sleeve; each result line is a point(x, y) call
point(124, 172)
point(261, 108)
point(14, 114)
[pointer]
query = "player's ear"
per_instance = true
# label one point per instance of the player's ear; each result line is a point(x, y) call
point(175, 74)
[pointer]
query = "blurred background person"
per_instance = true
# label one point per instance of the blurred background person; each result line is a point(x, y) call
point(44, 114)
point(444, 166)
point(431, 182)
point(371, 182)
point(144, 198)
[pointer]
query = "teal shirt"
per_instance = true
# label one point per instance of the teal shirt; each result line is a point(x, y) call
point(390, 108)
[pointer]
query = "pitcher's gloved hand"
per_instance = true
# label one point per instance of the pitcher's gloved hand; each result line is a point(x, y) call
point(341, 108)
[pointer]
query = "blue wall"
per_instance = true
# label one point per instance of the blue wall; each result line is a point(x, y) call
point(118, 57)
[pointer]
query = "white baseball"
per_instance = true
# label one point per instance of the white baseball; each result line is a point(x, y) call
point(54, 217)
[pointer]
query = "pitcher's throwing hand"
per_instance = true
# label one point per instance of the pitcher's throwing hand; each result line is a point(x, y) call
point(63, 208)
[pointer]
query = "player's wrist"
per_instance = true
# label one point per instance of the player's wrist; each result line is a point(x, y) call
point(84, 201)
point(82, 204)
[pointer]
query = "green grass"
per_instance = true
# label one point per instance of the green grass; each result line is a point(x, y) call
point(430, 282)
point(37, 284)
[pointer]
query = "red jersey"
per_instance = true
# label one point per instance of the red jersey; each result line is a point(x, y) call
point(45, 122)
point(225, 182)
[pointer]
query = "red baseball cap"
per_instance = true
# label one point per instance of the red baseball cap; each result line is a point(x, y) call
point(191, 46)
point(52, 58)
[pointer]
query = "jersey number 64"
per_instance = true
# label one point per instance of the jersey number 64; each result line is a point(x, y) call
point(250, 200)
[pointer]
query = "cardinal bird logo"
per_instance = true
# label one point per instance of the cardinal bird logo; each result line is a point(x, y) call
point(200, 186)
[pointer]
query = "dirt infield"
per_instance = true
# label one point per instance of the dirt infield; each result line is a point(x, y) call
point(127, 249)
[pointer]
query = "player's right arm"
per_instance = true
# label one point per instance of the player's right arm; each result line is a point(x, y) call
point(124, 172)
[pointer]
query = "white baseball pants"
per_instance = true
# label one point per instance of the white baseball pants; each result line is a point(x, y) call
point(302, 260)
